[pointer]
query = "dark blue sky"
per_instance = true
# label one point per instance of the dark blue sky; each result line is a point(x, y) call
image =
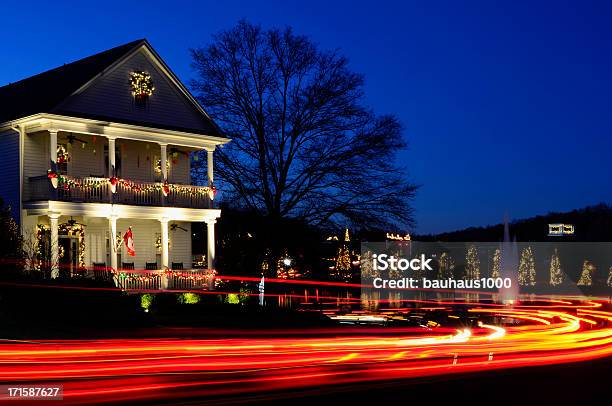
point(507, 107)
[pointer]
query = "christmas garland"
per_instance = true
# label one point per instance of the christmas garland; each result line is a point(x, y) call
point(148, 275)
point(76, 230)
point(66, 182)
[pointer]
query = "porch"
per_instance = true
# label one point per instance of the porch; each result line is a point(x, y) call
point(155, 280)
point(98, 190)
point(86, 240)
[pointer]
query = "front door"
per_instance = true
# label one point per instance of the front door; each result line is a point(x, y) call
point(69, 254)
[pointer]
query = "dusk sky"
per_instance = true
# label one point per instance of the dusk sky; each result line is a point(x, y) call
point(506, 106)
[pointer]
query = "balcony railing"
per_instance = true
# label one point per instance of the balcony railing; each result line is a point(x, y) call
point(98, 190)
point(158, 280)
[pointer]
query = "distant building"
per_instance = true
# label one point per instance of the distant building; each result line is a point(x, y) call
point(560, 229)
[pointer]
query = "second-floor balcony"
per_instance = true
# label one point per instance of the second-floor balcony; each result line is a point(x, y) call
point(99, 190)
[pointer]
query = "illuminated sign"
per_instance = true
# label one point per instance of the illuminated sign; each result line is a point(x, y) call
point(560, 229)
point(397, 237)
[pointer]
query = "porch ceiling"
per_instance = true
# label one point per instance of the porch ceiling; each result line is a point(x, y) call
point(46, 122)
point(41, 208)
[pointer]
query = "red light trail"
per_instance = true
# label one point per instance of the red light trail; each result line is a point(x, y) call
point(102, 371)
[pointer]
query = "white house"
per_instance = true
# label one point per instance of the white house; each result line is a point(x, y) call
point(103, 144)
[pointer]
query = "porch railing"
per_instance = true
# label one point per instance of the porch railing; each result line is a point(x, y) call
point(131, 280)
point(138, 193)
point(98, 190)
point(189, 279)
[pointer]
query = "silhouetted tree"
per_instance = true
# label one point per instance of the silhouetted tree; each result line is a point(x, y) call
point(304, 144)
point(10, 244)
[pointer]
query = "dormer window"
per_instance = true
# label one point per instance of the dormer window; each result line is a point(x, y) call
point(141, 86)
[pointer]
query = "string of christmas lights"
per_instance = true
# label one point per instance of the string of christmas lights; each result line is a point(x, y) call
point(556, 274)
point(586, 277)
point(496, 271)
point(67, 182)
point(472, 263)
point(527, 272)
point(141, 84)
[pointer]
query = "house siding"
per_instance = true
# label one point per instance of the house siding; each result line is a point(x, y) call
point(180, 244)
point(36, 158)
point(96, 235)
point(110, 96)
point(89, 159)
point(145, 233)
point(138, 161)
point(9, 181)
point(86, 159)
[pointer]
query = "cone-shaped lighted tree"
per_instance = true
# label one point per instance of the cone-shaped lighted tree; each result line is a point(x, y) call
point(343, 259)
point(556, 274)
point(495, 272)
point(472, 263)
point(610, 277)
point(527, 272)
point(586, 277)
point(446, 266)
point(367, 270)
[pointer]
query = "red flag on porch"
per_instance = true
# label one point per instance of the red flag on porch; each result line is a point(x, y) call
point(128, 239)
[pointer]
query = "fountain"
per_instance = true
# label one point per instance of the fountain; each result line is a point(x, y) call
point(509, 265)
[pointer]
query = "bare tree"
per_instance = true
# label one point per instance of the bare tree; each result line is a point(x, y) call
point(304, 144)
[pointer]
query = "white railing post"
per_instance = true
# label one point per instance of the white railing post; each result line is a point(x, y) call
point(54, 225)
point(111, 157)
point(210, 242)
point(210, 166)
point(164, 254)
point(164, 241)
point(112, 222)
point(164, 162)
point(53, 149)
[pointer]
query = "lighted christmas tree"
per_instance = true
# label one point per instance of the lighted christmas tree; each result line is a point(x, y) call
point(527, 272)
point(367, 270)
point(446, 266)
point(586, 277)
point(610, 277)
point(496, 271)
point(285, 267)
point(556, 275)
point(397, 273)
point(472, 263)
point(343, 259)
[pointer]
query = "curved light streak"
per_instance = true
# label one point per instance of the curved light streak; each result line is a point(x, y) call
point(102, 371)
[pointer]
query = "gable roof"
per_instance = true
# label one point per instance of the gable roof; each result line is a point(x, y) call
point(45, 92)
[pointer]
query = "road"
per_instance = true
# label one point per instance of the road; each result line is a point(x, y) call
point(256, 364)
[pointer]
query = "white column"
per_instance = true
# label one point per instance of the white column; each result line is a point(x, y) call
point(112, 223)
point(111, 157)
point(54, 224)
point(210, 243)
point(164, 242)
point(209, 166)
point(53, 149)
point(164, 162)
